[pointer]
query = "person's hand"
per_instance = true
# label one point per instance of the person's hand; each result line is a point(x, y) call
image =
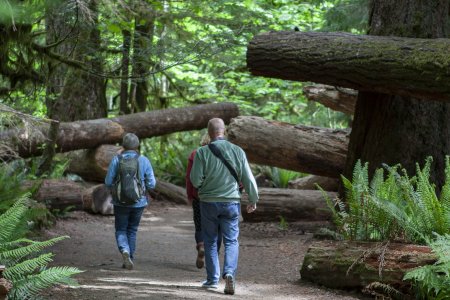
point(251, 208)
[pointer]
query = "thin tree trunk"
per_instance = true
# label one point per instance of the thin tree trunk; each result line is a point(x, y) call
point(124, 107)
point(142, 45)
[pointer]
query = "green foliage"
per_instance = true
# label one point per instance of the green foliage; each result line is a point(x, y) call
point(281, 177)
point(284, 225)
point(433, 281)
point(28, 274)
point(393, 208)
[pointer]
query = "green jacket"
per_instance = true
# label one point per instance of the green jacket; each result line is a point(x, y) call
point(215, 182)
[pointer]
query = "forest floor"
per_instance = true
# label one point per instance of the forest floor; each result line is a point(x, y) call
point(269, 262)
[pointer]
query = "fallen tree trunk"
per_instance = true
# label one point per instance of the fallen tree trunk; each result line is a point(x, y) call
point(92, 133)
point(338, 99)
point(170, 192)
point(328, 263)
point(291, 205)
point(417, 67)
point(61, 193)
point(313, 150)
point(91, 164)
point(310, 183)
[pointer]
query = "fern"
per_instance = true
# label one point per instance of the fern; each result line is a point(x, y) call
point(393, 208)
point(29, 275)
point(433, 281)
point(32, 285)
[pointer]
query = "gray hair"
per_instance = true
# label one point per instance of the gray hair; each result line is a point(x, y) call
point(130, 141)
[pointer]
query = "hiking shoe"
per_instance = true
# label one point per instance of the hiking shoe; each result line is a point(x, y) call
point(200, 262)
point(127, 262)
point(209, 285)
point(229, 285)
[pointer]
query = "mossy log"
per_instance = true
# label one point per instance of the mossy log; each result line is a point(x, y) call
point(350, 265)
point(92, 133)
point(313, 150)
point(338, 99)
point(291, 205)
point(414, 67)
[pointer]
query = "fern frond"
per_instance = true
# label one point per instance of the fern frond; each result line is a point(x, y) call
point(20, 270)
point(31, 285)
point(10, 220)
point(33, 247)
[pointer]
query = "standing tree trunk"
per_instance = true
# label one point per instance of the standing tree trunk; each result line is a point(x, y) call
point(142, 45)
point(83, 96)
point(123, 105)
point(396, 129)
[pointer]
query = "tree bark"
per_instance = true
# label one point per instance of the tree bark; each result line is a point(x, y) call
point(92, 133)
point(413, 67)
point(328, 262)
point(123, 103)
point(142, 51)
point(291, 205)
point(313, 150)
point(170, 192)
point(60, 193)
point(310, 183)
point(84, 94)
point(395, 129)
point(92, 164)
point(338, 99)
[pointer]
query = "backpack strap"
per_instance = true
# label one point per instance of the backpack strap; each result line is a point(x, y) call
point(216, 151)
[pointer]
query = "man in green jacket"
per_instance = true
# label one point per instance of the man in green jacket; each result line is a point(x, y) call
point(220, 206)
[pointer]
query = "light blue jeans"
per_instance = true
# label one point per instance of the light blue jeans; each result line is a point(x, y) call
point(126, 223)
point(223, 215)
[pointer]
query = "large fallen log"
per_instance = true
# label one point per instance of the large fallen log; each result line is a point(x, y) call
point(290, 205)
point(384, 64)
point(344, 264)
point(312, 150)
point(61, 193)
point(93, 133)
point(338, 99)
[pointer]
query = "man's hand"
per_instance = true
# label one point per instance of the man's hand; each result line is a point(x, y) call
point(251, 208)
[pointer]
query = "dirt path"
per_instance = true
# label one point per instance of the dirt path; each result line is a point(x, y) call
point(165, 260)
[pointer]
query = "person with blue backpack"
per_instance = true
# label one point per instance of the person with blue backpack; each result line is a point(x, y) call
point(130, 177)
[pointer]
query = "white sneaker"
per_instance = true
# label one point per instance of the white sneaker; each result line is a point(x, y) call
point(127, 262)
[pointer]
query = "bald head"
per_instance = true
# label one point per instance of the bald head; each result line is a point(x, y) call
point(216, 128)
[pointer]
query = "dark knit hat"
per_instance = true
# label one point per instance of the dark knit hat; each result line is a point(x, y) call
point(130, 141)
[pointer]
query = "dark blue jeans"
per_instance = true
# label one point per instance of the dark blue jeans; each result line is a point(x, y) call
point(223, 215)
point(126, 223)
point(198, 225)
